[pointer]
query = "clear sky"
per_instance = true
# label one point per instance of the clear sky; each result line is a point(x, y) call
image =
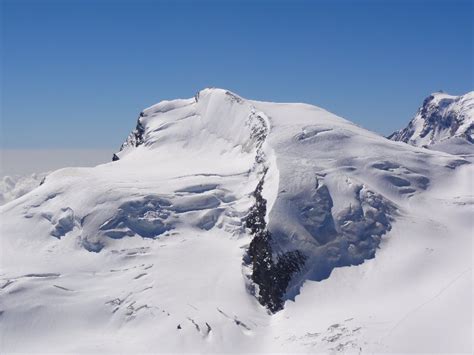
point(76, 74)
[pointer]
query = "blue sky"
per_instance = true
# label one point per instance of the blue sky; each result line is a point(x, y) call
point(75, 74)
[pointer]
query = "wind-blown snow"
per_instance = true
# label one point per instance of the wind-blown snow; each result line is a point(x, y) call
point(12, 187)
point(153, 252)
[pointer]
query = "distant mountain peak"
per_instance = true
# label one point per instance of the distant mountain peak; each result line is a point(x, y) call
point(441, 117)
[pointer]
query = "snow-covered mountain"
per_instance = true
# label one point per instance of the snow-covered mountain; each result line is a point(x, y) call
point(225, 224)
point(444, 122)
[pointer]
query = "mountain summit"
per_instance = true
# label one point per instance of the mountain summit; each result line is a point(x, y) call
point(227, 224)
point(297, 231)
point(442, 120)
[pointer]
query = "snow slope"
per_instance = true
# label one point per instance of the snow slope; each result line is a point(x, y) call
point(444, 123)
point(230, 225)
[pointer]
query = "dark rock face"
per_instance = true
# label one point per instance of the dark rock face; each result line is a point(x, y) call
point(271, 274)
point(137, 134)
point(271, 271)
point(430, 113)
point(135, 139)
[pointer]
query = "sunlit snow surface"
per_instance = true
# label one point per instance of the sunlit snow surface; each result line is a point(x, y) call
point(146, 254)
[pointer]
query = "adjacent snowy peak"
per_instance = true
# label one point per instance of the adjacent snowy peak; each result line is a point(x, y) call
point(442, 118)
